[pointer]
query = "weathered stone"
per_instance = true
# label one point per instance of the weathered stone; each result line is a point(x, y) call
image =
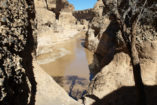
point(48, 91)
point(17, 42)
point(111, 67)
point(53, 28)
point(87, 14)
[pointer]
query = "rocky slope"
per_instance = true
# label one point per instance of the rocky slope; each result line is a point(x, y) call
point(113, 81)
point(22, 82)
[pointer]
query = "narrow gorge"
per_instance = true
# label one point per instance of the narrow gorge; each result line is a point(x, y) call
point(53, 54)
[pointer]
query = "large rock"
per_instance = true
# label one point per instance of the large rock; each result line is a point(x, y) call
point(113, 81)
point(96, 28)
point(48, 91)
point(59, 5)
point(17, 42)
point(66, 18)
point(21, 82)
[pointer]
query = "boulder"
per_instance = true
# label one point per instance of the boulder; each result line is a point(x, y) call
point(48, 91)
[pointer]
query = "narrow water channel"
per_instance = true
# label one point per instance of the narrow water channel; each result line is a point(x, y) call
point(70, 66)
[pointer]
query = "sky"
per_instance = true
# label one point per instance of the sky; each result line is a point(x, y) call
point(83, 4)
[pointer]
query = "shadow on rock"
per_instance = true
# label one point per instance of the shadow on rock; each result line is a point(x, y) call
point(106, 48)
point(126, 96)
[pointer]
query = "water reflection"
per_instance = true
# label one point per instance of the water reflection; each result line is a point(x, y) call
point(74, 85)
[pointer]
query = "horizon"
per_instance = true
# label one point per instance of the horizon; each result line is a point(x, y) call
point(82, 4)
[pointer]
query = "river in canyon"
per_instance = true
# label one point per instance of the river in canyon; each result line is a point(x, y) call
point(68, 65)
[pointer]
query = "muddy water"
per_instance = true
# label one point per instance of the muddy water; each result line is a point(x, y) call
point(70, 70)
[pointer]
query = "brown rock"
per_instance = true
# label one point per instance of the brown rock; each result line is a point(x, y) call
point(113, 81)
point(48, 91)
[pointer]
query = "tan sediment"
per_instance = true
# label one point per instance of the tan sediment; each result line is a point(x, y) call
point(67, 58)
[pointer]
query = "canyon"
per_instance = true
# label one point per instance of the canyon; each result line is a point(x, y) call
point(53, 55)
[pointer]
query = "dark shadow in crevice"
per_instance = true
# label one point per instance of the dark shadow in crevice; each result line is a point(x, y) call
point(106, 49)
point(18, 71)
point(26, 54)
point(83, 43)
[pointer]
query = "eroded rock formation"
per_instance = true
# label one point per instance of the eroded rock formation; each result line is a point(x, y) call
point(22, 81)
point(17, 82)
point(87, 14)
point(58, 6)
point(112, 77)
point(51, 30)
point(111, 67)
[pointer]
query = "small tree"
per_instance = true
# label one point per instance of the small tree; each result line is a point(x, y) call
point(127, 14)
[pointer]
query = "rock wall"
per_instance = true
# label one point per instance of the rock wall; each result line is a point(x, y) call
point(51, 30)
point(111, 69)
point(22, 81)
point(17, 41)
point(59, 5)
point(87, 14)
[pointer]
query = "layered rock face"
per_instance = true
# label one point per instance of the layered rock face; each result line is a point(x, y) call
point(87, 14)
point(59, 5)
point(113, 81)
point(17, 82)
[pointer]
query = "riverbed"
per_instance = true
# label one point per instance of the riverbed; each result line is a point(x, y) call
point(68, 65)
